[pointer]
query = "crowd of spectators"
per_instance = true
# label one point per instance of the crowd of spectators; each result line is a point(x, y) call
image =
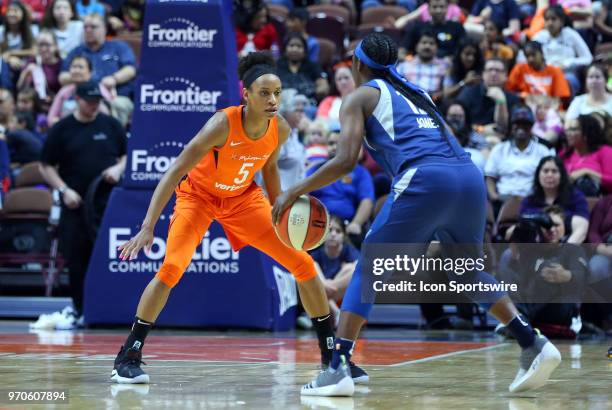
point(524, 85)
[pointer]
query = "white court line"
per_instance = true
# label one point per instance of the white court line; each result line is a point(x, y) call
point(445, 355)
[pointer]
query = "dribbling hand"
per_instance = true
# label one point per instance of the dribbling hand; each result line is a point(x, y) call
point(283, 201)
point(143, 239)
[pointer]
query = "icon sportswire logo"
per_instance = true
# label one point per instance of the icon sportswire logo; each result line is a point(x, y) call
point(177, 94)
point(178, 32)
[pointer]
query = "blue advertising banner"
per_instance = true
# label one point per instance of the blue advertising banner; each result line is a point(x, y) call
point(188, 71)
point(219, 288)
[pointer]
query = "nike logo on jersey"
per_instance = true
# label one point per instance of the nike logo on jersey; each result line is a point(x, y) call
point(234, 143)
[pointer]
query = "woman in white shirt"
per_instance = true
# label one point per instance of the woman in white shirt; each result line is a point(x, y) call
point(17, 35)
point(60, 17)
point(596, 99)
point(563, 46)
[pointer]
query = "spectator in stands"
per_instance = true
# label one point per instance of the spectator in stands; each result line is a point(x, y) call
point(64, 102)
point(6, 80)
point(42, 72)
point(297, 72)
point(472, 142)
point(511, 166)
point(603, 20)
point(315, 141)
point(548, 124)
point(597, 98)
point(5, 166)
point(351, 197)
point(505, 14)
point(86, 7)
point(296, 23)
point(551, 186)
point(17, 35)
point(23, 145)
point(536, 77)
point(489, 103)
point(292, 154)
point(422, 14)
point(329, 108)
point(113, 62)
point(425, 69)
point(466, 69)
point(336, 261)
point(253, 30)
point(493, 44)
point(588, 159)
point(132, 15)
point(600, 236)
point(28, 102)
point(447, 33)
point(551, 275)
point(78, 149)
point(62, 19)
point(562, 45)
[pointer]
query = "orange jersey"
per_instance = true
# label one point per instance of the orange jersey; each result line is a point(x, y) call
point(228, 171)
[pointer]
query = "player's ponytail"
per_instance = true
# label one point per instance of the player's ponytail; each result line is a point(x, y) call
point(254, 66)
point(382, 51)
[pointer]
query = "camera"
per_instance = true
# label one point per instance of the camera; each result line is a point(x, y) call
point(529, 228)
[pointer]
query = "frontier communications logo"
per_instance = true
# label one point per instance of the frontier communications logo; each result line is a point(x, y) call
point(178, 32)
point(151, 164)
point(177, 94)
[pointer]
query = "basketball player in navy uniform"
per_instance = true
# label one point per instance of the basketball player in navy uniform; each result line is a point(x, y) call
point(437, 193)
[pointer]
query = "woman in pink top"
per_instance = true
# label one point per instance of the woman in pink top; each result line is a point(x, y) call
point(329, 108)
point(64, 103)
point(587, 155)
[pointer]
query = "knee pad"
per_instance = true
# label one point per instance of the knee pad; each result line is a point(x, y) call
point(170, 274)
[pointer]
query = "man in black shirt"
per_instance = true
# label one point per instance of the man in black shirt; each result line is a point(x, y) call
point(448, 33)
point(78, 149)
point(489, 104)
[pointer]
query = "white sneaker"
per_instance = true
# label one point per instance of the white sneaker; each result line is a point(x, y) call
point(48, 320)
point(69, 320)
point(537, 364)
point(304, 322)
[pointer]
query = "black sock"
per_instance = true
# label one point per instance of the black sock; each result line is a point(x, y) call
point(325, 333)
point(137, 336)
point(522, 331)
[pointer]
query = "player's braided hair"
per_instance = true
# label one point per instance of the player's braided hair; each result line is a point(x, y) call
point(262, 59)
point(382, 49)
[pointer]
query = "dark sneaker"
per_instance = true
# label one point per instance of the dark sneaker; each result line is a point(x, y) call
point(358, 374)
point(127, 367)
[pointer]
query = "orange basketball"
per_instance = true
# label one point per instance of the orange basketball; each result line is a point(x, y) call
point(304, 225)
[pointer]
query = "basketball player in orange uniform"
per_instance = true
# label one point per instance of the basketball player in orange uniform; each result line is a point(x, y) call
point(220, 163)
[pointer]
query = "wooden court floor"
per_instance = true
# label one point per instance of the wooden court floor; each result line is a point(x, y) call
point(257, 370)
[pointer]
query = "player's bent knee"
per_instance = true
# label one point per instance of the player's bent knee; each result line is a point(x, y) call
point(304, 270)
point(170, 274)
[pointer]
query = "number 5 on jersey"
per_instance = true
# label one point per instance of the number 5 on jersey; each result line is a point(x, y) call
point(244, 172)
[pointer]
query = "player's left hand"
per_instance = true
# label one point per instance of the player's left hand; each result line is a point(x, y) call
point(283, 201)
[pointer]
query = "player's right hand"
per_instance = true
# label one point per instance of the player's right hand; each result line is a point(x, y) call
point(143, 239)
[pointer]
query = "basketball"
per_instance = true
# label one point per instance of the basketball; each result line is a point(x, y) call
point(304, 224)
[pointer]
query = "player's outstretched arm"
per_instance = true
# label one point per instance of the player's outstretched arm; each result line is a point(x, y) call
point(213, 134)
point(352, 120)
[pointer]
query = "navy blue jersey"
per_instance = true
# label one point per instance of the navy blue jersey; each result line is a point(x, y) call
point(399, 134)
